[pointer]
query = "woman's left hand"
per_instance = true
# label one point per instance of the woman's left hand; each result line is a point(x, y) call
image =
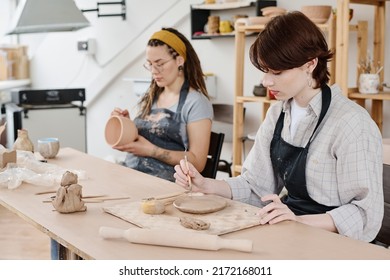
point(276, 211)
point(141, 147)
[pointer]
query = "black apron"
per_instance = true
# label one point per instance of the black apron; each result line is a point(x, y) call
point(289, 165)
point(164, 129)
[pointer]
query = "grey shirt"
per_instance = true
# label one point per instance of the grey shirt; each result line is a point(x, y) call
point(344, 164)
point(196, 107)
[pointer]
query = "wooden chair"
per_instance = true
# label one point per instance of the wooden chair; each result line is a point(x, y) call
point(383, 236)
point(216, 142)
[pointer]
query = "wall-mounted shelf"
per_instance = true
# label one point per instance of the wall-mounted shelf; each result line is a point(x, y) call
point(201, 12)
point(224, 6)
point(9, 84)
point(382, 95)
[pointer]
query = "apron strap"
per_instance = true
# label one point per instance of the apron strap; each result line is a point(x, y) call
point(326, 98)
point(183, 95)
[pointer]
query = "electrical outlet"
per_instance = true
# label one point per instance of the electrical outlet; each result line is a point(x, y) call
point(88, 46)
point(82, 45)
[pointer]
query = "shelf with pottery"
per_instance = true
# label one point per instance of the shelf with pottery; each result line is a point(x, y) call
point(342, 43)
point(381, 95)
point(200, 14)
point(223, 6)
point(258, 27)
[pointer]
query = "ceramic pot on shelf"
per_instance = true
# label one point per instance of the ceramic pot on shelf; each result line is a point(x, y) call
point(369, 83)
point(225, 26)
point(259, 90)
point(213, 25)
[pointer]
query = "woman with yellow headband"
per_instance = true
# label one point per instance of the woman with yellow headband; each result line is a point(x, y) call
point(175, 114)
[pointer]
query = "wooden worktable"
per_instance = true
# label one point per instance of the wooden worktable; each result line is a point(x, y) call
point(79, 231)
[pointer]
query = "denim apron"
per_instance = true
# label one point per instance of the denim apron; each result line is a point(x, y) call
point(164, 129)
point(289, 164)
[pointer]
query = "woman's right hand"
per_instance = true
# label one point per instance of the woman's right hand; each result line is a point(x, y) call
point(119, 112)
point(200, 183)
point(197, 180)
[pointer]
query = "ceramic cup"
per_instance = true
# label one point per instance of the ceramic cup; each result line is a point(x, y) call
point(368, 83)
point(225, 26)
point(120, 130)
point(48, 147)
point(259, 90)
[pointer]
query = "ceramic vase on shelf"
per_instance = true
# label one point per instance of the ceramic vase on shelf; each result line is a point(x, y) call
point(23, 142)
point(213, 25)
point(368, 83)
point(225, 26)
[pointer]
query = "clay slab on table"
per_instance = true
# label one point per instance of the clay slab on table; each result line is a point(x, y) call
point(235, 216)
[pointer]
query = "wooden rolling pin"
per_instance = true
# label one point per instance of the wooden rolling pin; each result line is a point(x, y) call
point(180, 239)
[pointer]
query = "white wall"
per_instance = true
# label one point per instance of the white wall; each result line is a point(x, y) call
point(56, 63)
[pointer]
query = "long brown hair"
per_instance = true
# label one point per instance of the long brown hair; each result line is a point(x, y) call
point(192, 72)
point(289, 41)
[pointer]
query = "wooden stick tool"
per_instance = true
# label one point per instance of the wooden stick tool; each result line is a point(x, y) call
point(188, 175)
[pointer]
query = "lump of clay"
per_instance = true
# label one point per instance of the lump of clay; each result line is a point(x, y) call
point(193, 223)
point(6, 157)
point(68, 179)
point(152, 206)
point(68, 198)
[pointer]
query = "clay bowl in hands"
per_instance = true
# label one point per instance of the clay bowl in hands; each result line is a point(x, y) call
point(120, 130)
point(317, 13)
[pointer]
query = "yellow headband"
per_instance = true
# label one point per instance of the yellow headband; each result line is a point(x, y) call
point(171, 40)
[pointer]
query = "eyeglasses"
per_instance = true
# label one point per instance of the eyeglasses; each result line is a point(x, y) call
point(159, 67)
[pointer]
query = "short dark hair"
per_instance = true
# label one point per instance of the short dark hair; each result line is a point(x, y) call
point(289, 41)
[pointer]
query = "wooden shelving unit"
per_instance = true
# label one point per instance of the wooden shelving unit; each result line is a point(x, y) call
point(342, 40)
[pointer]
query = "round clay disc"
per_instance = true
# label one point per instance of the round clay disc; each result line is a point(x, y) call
point(200, 204)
